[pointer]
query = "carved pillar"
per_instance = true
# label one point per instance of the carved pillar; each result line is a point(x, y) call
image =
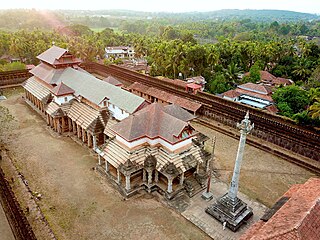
point(94, 142)
point(89, 137)
point(144, 175)
point(84, 135)
point(128, 187)
point(70, 125)
point(181, 178)
point(118, 176)
point(107, 166)
point(156, 176)
point(149, 176)
point(169, 190)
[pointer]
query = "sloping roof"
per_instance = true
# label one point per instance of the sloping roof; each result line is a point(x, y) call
point(37, 89)
point(112, 81)
point(257, 88)
point(165, 96)
point(96, 90)
point(47, 73)
point(138, 87)
point(88, 118)
point(178, 112)
point(266, 76)
point(282, 81)
point(52, 54)
point(231, 94)
point(152, 121)
point(62, 89)
point(298, 218)
point(54, 110)
point(194, 86)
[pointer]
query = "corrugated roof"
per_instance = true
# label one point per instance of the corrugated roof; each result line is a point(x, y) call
point(96, 90)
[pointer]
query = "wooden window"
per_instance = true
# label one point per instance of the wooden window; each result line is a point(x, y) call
point(104, 103)
point(65, 99)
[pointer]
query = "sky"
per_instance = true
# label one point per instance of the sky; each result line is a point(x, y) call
point(308, 6)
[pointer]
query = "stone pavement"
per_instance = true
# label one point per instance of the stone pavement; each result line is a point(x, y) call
point(196, 214)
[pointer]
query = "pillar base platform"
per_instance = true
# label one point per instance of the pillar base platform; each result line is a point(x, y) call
point(234, 212)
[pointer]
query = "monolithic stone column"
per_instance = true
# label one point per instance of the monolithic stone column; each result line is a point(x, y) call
point(144, 175)
point(118, 176)
point(107, 166)
point(169, 190)
point(245, 128)
point(128, 187)
point(181, 178)
point(149, 177)
point(94, 141)
point(156, 176)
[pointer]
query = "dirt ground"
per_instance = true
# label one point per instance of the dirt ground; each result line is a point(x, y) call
point(79, 204)
point(76, 201)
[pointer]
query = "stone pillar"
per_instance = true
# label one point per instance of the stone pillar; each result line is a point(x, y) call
point(89, 137)
point(169, 190)
point(94, 142)
point(181, 179)
point(69, 125)
point(118, 176)
point(107, 166)
point(78, 131)
point(99, 159)
point(144, 175)
point(197, 170)
point(83, 135)
point(48, 120)
point(245, 128)
point(156, 176)
point(74, 127)
point(149, 176)
point(128, 187)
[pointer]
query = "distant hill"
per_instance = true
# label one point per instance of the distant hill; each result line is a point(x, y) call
point(257, 15)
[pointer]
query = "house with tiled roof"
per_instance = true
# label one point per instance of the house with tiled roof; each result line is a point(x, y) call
point(72, 100)
point(255, 95)
point(152, 94)
point(156, 148)
point(295, 216)
point(267, 78)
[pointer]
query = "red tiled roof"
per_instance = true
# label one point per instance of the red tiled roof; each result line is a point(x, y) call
point(231, 94)
point(272, 109)
point(298, 218)
point(46, 73)
point(258, 88)
point(253, 94)
point(154, 121)
point(138, 87)
point(282, 81)
point(165, 96)
point(62, 89)
point(112, 81)
point(194, 86)
point(176, 82)
point(266, 76)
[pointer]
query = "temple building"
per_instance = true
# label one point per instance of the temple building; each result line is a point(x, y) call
point(72, 100)
point(156, 148)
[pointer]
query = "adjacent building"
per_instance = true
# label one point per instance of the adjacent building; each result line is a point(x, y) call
point(295, 216)
point(119, 52)
point(255, 95)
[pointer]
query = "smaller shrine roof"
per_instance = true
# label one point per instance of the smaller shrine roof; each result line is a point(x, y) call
point(62, 89)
